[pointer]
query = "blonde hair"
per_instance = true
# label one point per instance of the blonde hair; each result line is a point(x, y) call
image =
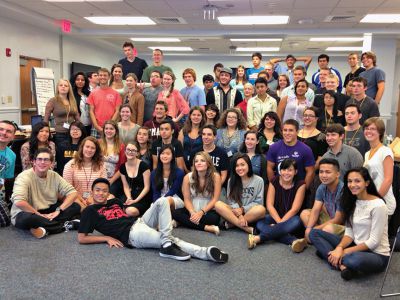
point(117, 141)
point(70, 96)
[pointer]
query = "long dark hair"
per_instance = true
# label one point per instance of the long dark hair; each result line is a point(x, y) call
point(235, 182)
point(85, 89)
point(243, 148)
point(335, 103)
point(33, 140)
point(187, 127)
point(278, 124)
point(158, 178)
point(348, 200)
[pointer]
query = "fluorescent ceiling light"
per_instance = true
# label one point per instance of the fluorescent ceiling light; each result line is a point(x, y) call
point(257, 49)
point(344, 49)
point(336, 39)
point(121, 20)
point(172, 48)
point(256, 40)
point(381, 18)
point(253, 20)
point(161, 40)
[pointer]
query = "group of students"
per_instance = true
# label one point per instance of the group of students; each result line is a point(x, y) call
point(248, 163)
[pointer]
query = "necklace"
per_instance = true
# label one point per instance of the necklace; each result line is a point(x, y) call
point(328, 120)
point(310, 135)
point(373, 151)
point(350, 143)
point(362, 102)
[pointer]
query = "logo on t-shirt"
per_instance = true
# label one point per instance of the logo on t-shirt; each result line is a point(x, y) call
point(112, 212)
point(110, 98)
point(295, 154)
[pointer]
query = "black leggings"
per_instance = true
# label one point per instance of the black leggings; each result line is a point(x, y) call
point(26, 220)
point(182, 216)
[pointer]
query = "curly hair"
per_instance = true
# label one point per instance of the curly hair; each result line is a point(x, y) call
point(241, 122)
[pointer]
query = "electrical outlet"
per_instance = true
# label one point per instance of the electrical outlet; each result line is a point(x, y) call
point(9, 99)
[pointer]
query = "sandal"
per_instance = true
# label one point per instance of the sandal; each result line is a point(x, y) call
point(251, 244)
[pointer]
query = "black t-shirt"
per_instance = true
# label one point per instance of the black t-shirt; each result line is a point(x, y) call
point(341, 101)
point(67, 152)
point(109, 219)
point(136, 184)
point(219, 159)
point(351, 76)
point(137, 67)
point(157, 145)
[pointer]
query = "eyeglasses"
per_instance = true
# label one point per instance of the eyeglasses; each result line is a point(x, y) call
point(43, 159)
point(308, 116)
point(131, 151)
point(370, 129)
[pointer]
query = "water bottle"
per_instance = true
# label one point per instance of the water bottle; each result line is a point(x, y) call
point(389, 139)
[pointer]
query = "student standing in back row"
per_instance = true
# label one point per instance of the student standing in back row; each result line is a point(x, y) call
point(104, 104)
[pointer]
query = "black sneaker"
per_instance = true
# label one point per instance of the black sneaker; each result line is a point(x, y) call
point(347, 274)
point(72, 225)
point(174, 252)
point(216, 255)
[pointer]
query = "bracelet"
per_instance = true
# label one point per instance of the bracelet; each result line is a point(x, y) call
point(204, 213)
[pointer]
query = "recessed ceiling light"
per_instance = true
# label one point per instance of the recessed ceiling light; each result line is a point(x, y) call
point(161, 40)
point(257, 49)
point(336, 39)
point(344, 49)
point(172, 48)
point(381, 18)
point(121, 20)
point(256, 40)
point(253, 20)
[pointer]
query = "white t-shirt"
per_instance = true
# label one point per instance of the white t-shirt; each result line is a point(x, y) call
point(375, 169)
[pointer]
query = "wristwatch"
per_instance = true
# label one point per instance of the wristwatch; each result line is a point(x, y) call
point(59, 209)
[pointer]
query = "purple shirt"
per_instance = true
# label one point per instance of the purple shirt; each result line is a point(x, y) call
point(300, 152)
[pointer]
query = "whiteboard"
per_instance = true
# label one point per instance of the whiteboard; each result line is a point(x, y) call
point(44, 92)
point(42, 87)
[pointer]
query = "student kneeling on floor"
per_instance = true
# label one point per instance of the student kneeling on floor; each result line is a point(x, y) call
point(119, 230)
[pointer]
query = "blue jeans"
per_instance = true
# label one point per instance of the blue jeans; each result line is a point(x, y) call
point(365, 262)
point(279, 232)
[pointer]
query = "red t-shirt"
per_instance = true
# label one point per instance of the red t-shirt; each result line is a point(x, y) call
point(105, 101)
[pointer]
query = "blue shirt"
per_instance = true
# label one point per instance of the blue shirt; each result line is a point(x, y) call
point(331, 200)
point(7, 163)
point(252, 74)
point(194, 95)
point(317, 83)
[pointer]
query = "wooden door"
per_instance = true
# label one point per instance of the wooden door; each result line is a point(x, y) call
point(28, 104)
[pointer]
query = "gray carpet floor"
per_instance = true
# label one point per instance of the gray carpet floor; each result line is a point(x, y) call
point(57, 267)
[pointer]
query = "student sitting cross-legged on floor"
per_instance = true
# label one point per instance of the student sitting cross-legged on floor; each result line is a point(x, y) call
point(119, 230)
point(326, 213)
point(167, 178)
point(201, 190)
point(284, 199)
point(35, 199)
point(245, 196)
point(364, 248)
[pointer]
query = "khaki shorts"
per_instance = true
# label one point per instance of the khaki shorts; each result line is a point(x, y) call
point(324, 217)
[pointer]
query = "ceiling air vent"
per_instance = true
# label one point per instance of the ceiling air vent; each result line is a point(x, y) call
point(203, 49)
point(339, 19)
point(171, 21)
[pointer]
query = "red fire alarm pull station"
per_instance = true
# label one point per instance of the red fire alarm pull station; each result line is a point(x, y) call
point(8, 52)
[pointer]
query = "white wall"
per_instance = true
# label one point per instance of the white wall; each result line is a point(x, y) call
point(30, 41)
